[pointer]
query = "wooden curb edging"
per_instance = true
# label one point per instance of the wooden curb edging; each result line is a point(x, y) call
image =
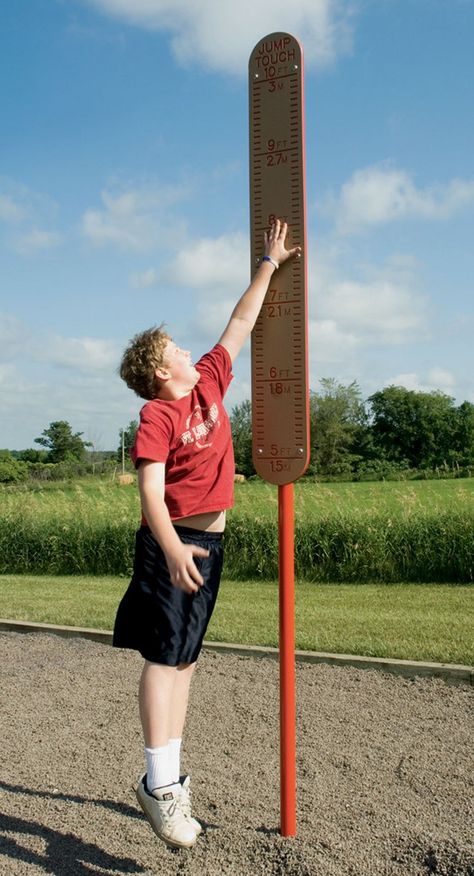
point(451, 673)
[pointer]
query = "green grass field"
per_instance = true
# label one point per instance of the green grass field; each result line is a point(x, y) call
point(406, 621)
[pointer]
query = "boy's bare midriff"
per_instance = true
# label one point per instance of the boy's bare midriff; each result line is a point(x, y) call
point(210, 521)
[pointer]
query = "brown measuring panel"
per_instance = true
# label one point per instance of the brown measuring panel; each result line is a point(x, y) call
point(280, 402)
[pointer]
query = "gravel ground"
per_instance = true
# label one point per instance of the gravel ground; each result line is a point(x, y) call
point(385, 783)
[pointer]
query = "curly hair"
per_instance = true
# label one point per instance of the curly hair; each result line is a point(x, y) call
point(144, 354)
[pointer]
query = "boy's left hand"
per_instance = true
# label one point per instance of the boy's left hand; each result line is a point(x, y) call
point(274, 241)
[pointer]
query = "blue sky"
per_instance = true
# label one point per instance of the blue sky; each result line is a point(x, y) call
point(124, 194)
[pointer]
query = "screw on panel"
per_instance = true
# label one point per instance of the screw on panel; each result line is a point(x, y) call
point(255, 75)
point(300, 450)
point(259, 450)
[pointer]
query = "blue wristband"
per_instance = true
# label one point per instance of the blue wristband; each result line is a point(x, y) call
point(272, 261)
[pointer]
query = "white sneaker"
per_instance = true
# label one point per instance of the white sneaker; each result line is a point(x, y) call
point(186, 803)
point(164, 811)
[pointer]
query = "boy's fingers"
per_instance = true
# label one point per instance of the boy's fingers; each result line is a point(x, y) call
point(296, 251)
point(185, 582)
point(194, 573)
point(199, 551)
point(192, 579)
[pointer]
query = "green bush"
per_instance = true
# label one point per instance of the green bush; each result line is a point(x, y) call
point(70, 470)
point(12, 471)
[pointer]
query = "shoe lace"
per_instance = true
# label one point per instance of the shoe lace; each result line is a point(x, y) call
point(171, 809)
point(186, 800)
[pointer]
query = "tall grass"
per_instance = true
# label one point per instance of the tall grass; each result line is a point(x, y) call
point(346, 547)
point(71, 530)
point(344, 532)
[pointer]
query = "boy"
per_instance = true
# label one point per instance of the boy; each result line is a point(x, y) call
point(184, 456)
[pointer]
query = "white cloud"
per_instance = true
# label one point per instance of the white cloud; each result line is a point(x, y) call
point(369, 306)
point(239, 390)
point(81, 354)
point(31, 211)
point(30, 380)
point(20, 389)
point(36, 241)
point(350, 309)
point(442, 378)
point(85, 355)
point(144, 279)
point(10, 210)
point(435, 379)
point(409, 380)
point(7, 377)
point(220, 35)
point(219, 270)
point(379, 312)
point(14, 336)
point(222, 261)
point(136, 219)
point(379, 194)
point(329, 342)
point(77, 398)
point(18, 203)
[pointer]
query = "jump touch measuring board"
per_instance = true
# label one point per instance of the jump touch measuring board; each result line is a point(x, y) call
point(277, 189)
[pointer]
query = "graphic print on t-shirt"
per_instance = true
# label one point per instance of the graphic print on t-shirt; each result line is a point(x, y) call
point(199, 429)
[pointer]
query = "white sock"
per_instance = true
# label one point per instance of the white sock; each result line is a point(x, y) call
point(158, 772)
point(174, 749)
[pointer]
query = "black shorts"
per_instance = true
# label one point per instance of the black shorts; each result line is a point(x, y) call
point(161, 621)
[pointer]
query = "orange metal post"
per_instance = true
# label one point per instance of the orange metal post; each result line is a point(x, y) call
point(287, 660)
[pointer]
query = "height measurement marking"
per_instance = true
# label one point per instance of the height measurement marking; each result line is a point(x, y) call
point(279, 372)
point(262, 81)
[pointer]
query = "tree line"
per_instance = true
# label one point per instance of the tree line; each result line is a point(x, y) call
point(64, 454)
point(394, 432)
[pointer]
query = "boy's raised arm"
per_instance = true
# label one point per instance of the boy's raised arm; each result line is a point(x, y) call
point(245, 313)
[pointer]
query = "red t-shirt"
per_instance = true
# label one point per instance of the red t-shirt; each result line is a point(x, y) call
point(192, 436)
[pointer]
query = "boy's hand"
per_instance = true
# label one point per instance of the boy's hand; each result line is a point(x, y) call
point(182, 568)
point(274, 242)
